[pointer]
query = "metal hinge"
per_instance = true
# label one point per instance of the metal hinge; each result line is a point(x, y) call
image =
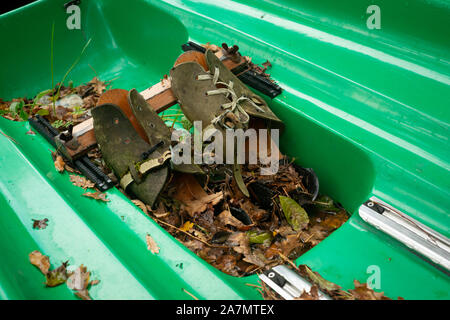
point(287, 283)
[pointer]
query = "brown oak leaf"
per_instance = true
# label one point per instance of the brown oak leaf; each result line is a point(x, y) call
point(96, 195)
point(151, 244)
point(81, 182)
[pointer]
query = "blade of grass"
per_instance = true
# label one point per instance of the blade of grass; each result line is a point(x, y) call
point(51, 62)
point(73, 66)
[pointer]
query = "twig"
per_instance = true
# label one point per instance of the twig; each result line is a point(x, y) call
point(253, 285)
point(310, 237)
point(10, 138)
point(267, 291)
point(282, 256)
point(171, 115)
point(51, 66)
point(187, 233)
point(173, 123)
point(190, 294)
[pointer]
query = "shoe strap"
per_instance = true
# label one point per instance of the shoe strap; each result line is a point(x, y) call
point(144, 167)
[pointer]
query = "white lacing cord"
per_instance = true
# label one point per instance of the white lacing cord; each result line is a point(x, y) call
point(234, 106)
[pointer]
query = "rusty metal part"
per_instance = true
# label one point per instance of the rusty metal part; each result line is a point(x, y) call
point(231, 53)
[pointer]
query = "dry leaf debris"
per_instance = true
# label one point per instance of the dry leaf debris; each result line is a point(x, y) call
point(151, 244)
point(97, 196)
point(77, 280)
point(240, 235)
point(60, 164)
point(81, 182)
point(40, 224)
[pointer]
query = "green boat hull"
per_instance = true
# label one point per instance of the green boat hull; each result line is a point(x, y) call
point(368, 110)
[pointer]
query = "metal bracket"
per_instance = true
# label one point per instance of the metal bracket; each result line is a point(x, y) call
point(415, 235)
point(82, 163)
point(287, 283)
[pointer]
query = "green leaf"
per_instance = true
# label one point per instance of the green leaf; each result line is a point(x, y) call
point(23, 115)
point(295, 215)
point(78, 110)
point(57, 276)
point(40, 95)
point(43, 112)
point(68, 123)
point(55, 97)
point(259, 237)
point(326, 203)
point(58, 123)
point(186, 123)
point(16, 106)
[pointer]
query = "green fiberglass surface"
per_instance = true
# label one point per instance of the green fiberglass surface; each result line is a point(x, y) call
point(368, 110)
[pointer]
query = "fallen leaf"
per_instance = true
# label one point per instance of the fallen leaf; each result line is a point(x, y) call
point(295, 215)
point(226, 263)
point(141, 205)
point(94, 282)
point(254, 212)
point(200, 205)
point(151, 244)
point(79, 279)
point(317, 279)
point(59, 164)
point(259, 237)
point(39, 260)
point(326, 203)
point(99, 86)
point(313, 294)
point(328, 287)
point(160, 211)
point(70, 169)
point(83, 294)
point(192, 195)
point(187, 226)
point(291, 242)
point(267, 64)
point(272, 251)
point(194, 245)
point(240, 243)
point(363, 292)
point(334, 221)
point(40, 224)
point(81, 182)
point(57, 276)
point(96, 195)
point(228, 219)
point(315, 234)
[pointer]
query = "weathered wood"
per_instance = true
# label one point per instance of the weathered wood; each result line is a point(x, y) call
point(160, 96)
